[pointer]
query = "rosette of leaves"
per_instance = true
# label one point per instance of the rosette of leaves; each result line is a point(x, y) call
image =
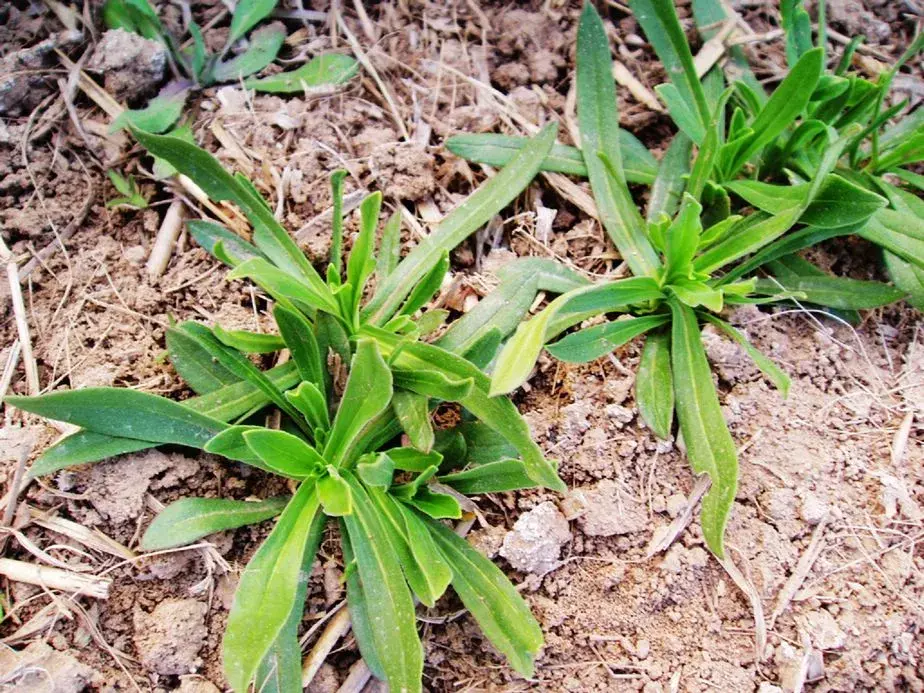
point(338, 450)
point(690, 258)
point(195, 65)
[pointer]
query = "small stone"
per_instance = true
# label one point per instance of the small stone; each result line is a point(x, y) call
point(196, 684)
point(824, 631)
point(676, 504)
point(41, 668)
point(812, 510)
point(767, 687)
point(671, 562)
point(131, 64)
point(612, 575)
point(697, 557)
point(535, 543)
point(643, 648)
point(136, 254)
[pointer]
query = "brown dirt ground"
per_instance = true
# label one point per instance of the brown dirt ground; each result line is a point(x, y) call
point(828, 490)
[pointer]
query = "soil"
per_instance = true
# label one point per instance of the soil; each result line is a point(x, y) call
point(832, 479)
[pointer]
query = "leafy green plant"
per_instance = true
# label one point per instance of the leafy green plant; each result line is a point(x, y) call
point(194, 66)
point(691, 256)
point(131, 195)
point(337, 442)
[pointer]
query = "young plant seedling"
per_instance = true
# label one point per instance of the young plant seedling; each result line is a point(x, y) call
point(337, 450)
point(194, 67)
point(687, 265)
point(131, 195)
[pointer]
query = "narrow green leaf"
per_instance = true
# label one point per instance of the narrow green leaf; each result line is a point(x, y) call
point(598, 119)
point(667, 188)
point(361, 263)
point(709, 445)
point(756, 231)
point(298, 334)
point(389, 249)
point(249, 342)
point(654, 384)
point(284, 286)
point(124, 413)
point(493, 477)
point(593, 342)
point(776, 374)
point(490, 197)
point(189, 519)
point(264, 46)
point(907, 277)
point(359, 608)
point(326, 69)
point(427, 287)
point(378, 472)
point(834, 292)
point(310, 401)
point(158, 116)
point(208, 234)
point(195, 364)
point(433, 384)
point(247, 14)
point(368, 392)
point(392, 624)
point(268, 588)
point(494, 603)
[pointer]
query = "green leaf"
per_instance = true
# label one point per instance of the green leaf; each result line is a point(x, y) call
point(494, 603)
point(838, 203)
point(310, 401)
point(247, 14)
point(208, 234)
point(423, 565)
point(593, 342)
point(697, 293)
point(427, 287)
point(709, 445)
point(322, 70)
point(490, 197)
point(522, 350)
point(158, 116)
point(710, 16)
point(335, 494)
point(368, 392)
point(284, 286)
point(231, 445)
point(667, 188)
point(189, 519)
point(361, 263)
point(298, 335)
point(756, 231)
point(413, 412)
point(682, 239)
point(834, 292)
point(411, 460)
point(776, 374)
point(359, 608)
point(638, 163)
point(392, 625)
point(598, 119)
point(389, 249)
point(195, 364)
point(433, 384)
point(899, 232)
point(249, 342)
point(284, 453)
point(907, 277)
point(268, 588)
point(124, 413)
point(659, 21)
point(493, 477)
point(208, 173)
point(378, 472)
point(654, 384)
point(797, 26)
point(197, 56)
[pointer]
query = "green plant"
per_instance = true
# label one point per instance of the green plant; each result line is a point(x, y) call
point(194, 66)
point(690, 258)
point(128, 188)
point(338, 451)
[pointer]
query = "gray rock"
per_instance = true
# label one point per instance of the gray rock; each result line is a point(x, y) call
point(534, 545)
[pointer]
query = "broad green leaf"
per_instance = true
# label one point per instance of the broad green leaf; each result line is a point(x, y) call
point(392, 621)
point(439, 506)
point(209, 174)
point(249, 342)
point(368, 392)
point(411, 460)
point(709, 445)
point(667, 188)
point(593, 342)
point(497, 412)
point(776, 374)
point(424, 568)
point(696, 293)
point(494, 603)
point(483, 444)
point(432, 384)
point(900, 232)
point(598, 119)
point(189, 519)
point(158, 116)
point(493, 477)
point(310, 401)
point(360, 615)
point(230, 444)
point(834, 292)
point(413, 412)
point(682, 239)
point(242, 398)
point(268, 588)
point(907, 277)
point(282, 451)
point(208, 234)
point(335, 494)
point(659, 21)
point(654, 384)
point(247, 14)
point(195, 364)
point(327, 69)
point(518, 356)
point(490, 197)
point(298, 334)
point(124, 413)
point(838, 203)
point(756, 231)
point(378, 472)
point(638, 163)
point(263, 49)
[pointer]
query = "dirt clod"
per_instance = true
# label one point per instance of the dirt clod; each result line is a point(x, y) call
point(169, 638)
point(535, 543)
point(131, 65)
point(40, 667)
point(607, 511)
